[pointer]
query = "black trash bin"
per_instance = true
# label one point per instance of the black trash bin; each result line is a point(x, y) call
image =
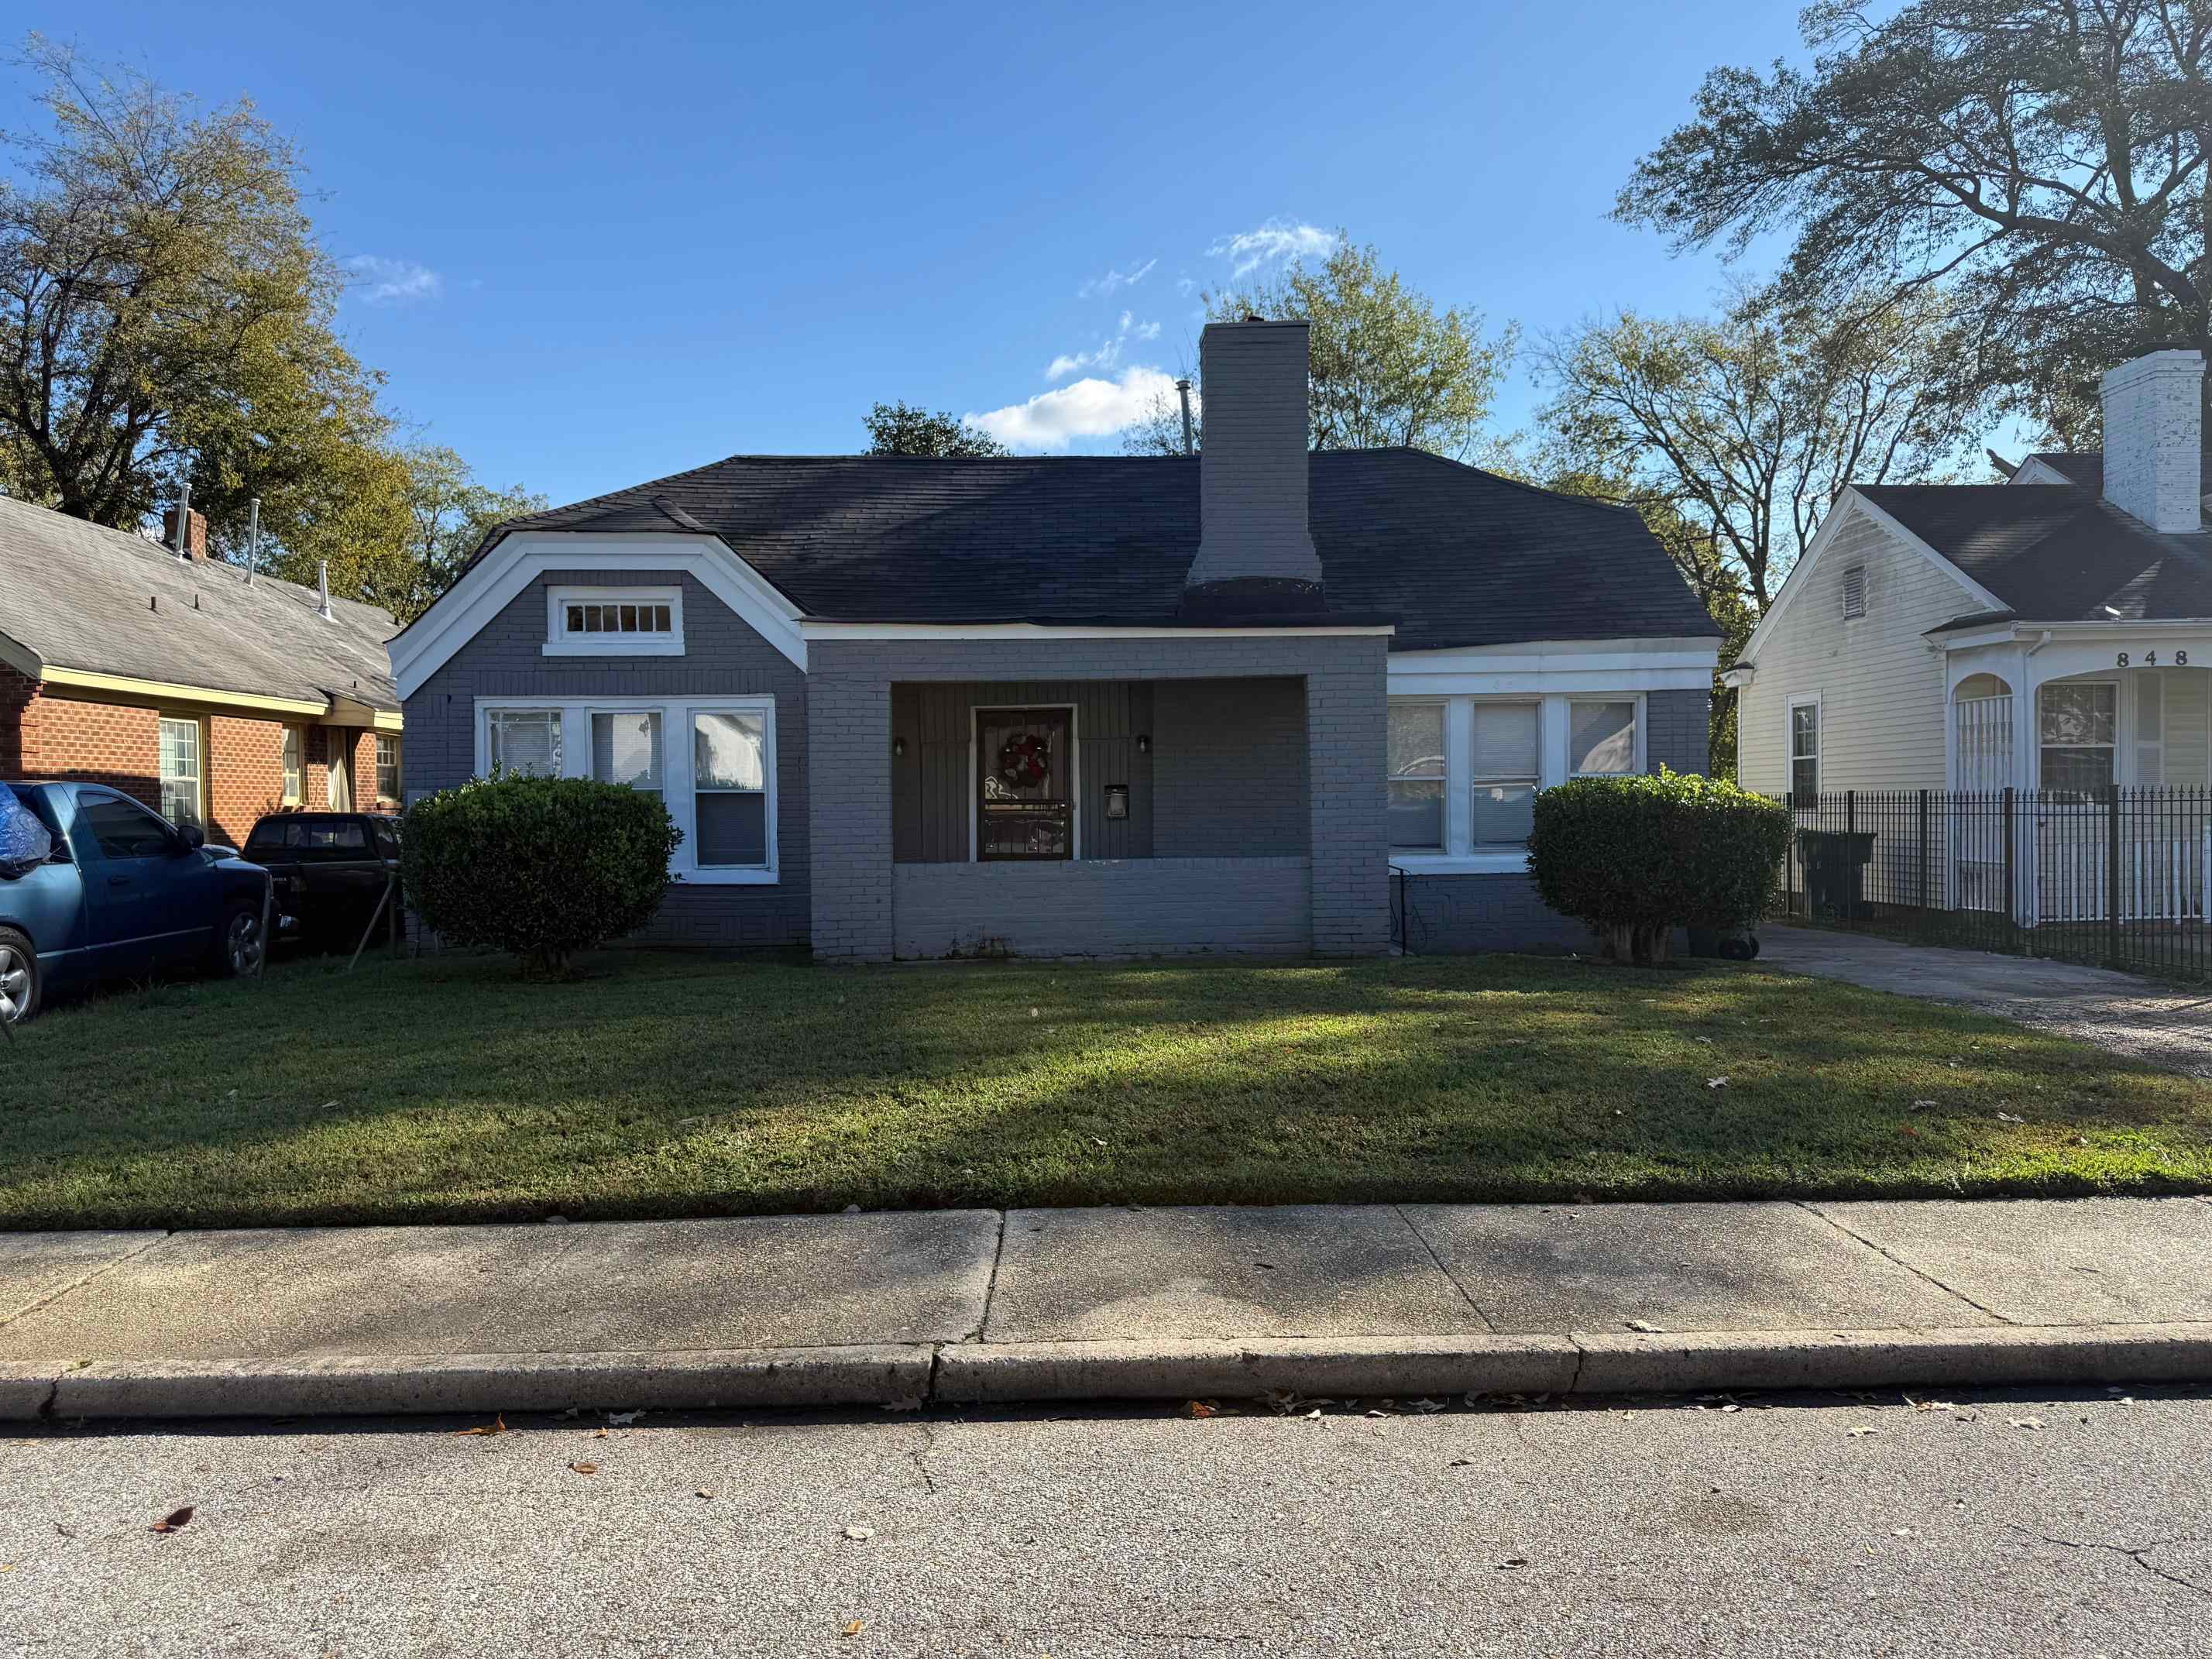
point(1835, 862)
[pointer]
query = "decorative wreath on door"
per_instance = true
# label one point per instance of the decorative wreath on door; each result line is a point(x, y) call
point(1025, 761)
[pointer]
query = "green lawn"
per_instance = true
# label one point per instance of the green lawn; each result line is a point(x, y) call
point(665, 1085)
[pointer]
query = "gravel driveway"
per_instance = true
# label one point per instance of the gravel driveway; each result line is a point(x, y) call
point(2140, 1019)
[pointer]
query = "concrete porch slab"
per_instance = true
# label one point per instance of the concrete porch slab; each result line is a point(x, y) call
point(2056, 1260)
point(1294, 1270)
point(1675, 1267)
point(768, 1282)
point(35, 1267)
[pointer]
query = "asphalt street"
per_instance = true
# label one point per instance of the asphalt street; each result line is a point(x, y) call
point(1992, 1524)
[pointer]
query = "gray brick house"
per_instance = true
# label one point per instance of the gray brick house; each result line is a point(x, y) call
point(1257, 700)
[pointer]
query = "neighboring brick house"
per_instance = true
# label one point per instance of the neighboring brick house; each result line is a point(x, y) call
point(171, 676)
point(1258, 699)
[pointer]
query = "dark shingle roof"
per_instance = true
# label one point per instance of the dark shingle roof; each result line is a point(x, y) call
point(2056, 552)
point(2082, 467)
point(105, 601)
point(1456, 555)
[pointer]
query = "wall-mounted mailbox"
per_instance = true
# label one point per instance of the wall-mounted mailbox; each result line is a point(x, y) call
point(1117, 801)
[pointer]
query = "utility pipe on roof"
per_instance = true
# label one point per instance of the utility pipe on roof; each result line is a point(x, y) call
point(253, 538)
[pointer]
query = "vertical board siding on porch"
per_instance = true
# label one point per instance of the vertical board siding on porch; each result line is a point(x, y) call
point(1231, 761)
point(933, 784)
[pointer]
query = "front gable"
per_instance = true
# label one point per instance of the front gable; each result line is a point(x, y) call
point(533, 560)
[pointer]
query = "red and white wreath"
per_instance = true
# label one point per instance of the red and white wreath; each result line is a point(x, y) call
point(1025, 761)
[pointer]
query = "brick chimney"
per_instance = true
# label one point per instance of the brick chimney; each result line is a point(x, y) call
point(2154, 440)
point(194, 545)
point(1254, 550)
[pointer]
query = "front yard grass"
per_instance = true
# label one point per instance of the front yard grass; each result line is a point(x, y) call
point(668, 1085)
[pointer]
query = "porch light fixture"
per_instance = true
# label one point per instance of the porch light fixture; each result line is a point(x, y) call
point(1144, 742)
point(898, 746)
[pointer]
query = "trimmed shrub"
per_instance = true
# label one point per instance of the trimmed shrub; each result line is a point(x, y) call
point(540, 867)
point(1636, 858)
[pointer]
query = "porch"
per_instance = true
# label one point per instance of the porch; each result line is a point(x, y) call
point(1228, 801)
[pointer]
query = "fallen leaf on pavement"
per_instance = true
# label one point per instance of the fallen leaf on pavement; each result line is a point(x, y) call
point(623, 1419)
point(703, 1492)
point(2026, 1422)
point(1648, 1328)
point(584, 1468)
point(174, 1521)
point(1862, 1430)
point(1424, 1406)
point(1201, 1408)
point(854, 1628)
point(1461, 1463)
point(599, 1434)
point(900, 1406)
point(860, 1534)
point(497, 1425)
point(1512, 1561)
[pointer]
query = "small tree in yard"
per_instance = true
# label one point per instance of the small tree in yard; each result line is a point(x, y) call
point(541, 867)
point(1636, 858)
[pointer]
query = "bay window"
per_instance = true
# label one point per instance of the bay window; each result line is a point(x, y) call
point(711, 762)
point(1465, 770)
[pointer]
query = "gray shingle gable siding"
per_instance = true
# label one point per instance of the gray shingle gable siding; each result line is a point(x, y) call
point(723, 657)
point(1457, 556)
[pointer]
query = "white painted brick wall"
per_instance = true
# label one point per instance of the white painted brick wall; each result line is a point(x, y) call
point(2153, 440)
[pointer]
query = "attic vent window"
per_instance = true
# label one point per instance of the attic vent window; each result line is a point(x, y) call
point(614, 622)
point(1855, 591)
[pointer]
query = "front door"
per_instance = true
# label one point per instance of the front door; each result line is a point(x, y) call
point(1025, 784)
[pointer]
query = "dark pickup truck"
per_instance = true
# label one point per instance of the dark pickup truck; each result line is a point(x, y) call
point(330, 871)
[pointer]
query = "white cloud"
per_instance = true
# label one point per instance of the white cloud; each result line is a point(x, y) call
point(1090, 408)
point(388, 281)
point(1115, 281)
point(1108, 354)
point(1277, 239)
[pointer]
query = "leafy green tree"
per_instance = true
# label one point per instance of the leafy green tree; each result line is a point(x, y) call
point(450, 513)
point(903, 429)
point(1388, 366)
point(2044, 160)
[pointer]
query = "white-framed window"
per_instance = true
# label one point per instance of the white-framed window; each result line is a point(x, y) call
point(1804, 735)
point(181, 771)
point(521, 740)
point(1855, 591)
point(294, 760)
point(711, 760)
point(1464, 771)
point(387, 767)
point(614, 622)
point(2077, 734)
point(1417, 774)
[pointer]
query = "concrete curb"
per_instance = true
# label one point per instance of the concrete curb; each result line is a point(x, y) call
point(978, 1373)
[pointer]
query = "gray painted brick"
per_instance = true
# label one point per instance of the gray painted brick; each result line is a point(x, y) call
point(1104, 908)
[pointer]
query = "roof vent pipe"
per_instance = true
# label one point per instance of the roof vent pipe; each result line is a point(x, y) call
point(253, 538)
point(323, 588)
point(184, 522)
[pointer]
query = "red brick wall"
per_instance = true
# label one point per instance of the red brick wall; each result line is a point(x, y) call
point(43, 735)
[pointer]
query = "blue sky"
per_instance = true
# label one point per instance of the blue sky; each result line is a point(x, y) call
point(598, 244)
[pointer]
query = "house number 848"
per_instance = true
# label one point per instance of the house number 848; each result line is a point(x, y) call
point(2150, 660)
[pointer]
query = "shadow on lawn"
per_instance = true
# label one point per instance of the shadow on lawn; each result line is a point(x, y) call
point(672, 1085)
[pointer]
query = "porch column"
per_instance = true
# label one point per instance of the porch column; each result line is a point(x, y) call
point(848, 793)
point(1347, 739)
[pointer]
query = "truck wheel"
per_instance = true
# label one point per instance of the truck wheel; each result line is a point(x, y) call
point(243, 943)
point(19, 977)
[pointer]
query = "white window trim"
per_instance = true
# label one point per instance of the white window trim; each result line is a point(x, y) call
point(560, 643)
point(1553, 730)
point(676, 766)
point(976, 710)
point(2122, 742)
point(1791, 705)
point(292, 781)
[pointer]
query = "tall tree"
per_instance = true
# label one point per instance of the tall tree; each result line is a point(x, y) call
point(903, 429)
point(1747, 425)
point(2046, 160)
point(1388, 366)
point(165, 313)
point(449, 514)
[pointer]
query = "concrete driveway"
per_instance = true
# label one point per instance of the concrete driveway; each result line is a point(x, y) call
point(2138, 1018)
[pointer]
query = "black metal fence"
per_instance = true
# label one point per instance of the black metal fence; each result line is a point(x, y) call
point(2115, 878)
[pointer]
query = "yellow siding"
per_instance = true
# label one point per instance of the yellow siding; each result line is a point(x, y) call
point(1881, 688)
point(2188, 693)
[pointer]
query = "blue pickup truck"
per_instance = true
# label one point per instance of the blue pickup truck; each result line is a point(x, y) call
point(111, 890)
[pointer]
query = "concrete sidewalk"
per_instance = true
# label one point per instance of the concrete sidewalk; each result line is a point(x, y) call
point(1056, 1305)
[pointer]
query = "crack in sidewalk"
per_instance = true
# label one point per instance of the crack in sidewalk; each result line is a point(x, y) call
point(2135, 1555)
point(1414, 1227)
point(1925, 1277)
point(74, 1285)
point(990, 1290)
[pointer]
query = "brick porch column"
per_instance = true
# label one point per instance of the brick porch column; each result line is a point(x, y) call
point(848, 791)
point(1347, 726)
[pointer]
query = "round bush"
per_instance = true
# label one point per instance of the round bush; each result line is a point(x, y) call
point(1638, 857)
point(537, 867)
